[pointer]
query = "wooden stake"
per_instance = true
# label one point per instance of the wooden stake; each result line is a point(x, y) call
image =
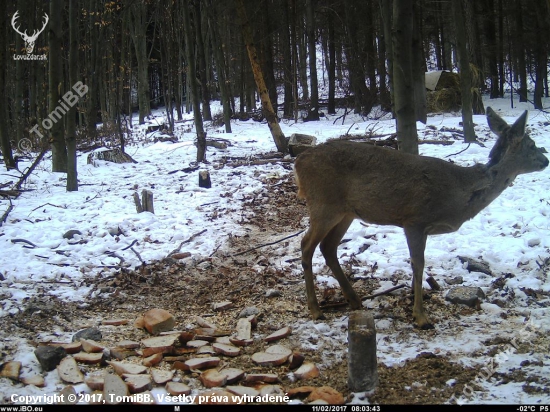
point(147, 201)
point(204, 179)
point(362, 364)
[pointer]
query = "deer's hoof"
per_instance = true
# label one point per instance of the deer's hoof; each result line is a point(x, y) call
point(320, 316)
point(423, 322)
point(355, 303)
point(317, 314)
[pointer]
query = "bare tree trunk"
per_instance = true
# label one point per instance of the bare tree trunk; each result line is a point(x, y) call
point(138, 30)
point(205, 92)
point(490, 48)
point(520, 52)
point(72, 174)
point(313, 113)
point(19, 86)
point(4, 138)
point(220, 65)
point(402, 33)
point(465, 75)
point(294, 48)
point(386, 10)
point(302, 51)
point(55, 83)
point(192, 78)
point(276, 132)
point(331, 109)
point(91, 70)
point(287, 60)
point(418, 67)
point(541, 56)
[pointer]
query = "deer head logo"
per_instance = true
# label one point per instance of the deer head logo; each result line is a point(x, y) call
point(29, 40)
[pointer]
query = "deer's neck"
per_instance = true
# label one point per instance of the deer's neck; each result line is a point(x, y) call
point(495, 180)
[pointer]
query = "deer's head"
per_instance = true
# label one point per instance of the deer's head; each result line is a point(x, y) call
point(29, 40)
point(515, 145)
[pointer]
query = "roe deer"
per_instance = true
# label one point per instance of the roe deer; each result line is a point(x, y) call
point(342, 181)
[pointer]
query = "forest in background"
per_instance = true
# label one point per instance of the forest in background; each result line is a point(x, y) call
point(313, 55)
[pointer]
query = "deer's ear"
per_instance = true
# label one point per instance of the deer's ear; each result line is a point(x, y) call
point(517, 131)
point(496, 124)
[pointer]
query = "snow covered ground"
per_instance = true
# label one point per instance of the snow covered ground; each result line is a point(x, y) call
point(511, 235)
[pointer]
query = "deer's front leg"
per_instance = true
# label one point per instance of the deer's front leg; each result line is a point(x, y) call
point(309, 243)
point(416, 240)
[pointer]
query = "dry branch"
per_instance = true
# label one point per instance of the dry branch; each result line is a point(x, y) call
point(385, 292)
point(24, 241)
point(267, 244)
point(6, 213)
point(30, 169)
point(186, 241)
point(10, 193)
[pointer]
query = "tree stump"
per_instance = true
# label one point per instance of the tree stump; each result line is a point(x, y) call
point(146, 204)
point(362, 364)
point(204, 179)
point(111, 155)
point(299, 143)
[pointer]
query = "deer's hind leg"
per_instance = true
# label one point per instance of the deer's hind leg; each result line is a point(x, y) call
point(329, 248)
point(416, 240)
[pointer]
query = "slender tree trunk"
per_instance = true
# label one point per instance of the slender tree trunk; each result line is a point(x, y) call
point(19, 86)
point(445, 35)
point(287, 60)
point(302, 52)
point(266, 54)
point(220, 64)
point(402, 34)
point(520, 52)
point(91, 65)
point(313, 113)
point(192, 77)
point(138, 29)
point(370, 48)
point(419, 66)
point(276, 132)
point(72, 174)
point(294, 48)
point(4, 138)
point(541, 52)
point(491, 46)
point(500, 49)
point(55, 83)
point(465, 75)
point(205, 92)
point(331, 109)
point(386, 11)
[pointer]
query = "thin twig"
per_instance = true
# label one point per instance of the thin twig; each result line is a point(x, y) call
point(131, 244)
point(267, 244)
point(137, 254)
point(215, 250)
point(350, 128)
point(50, 204)
point(186, 241)
point(454, 154)
point(24, 241)
point(385, 292)
point(30, 169)
point(6, 213)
